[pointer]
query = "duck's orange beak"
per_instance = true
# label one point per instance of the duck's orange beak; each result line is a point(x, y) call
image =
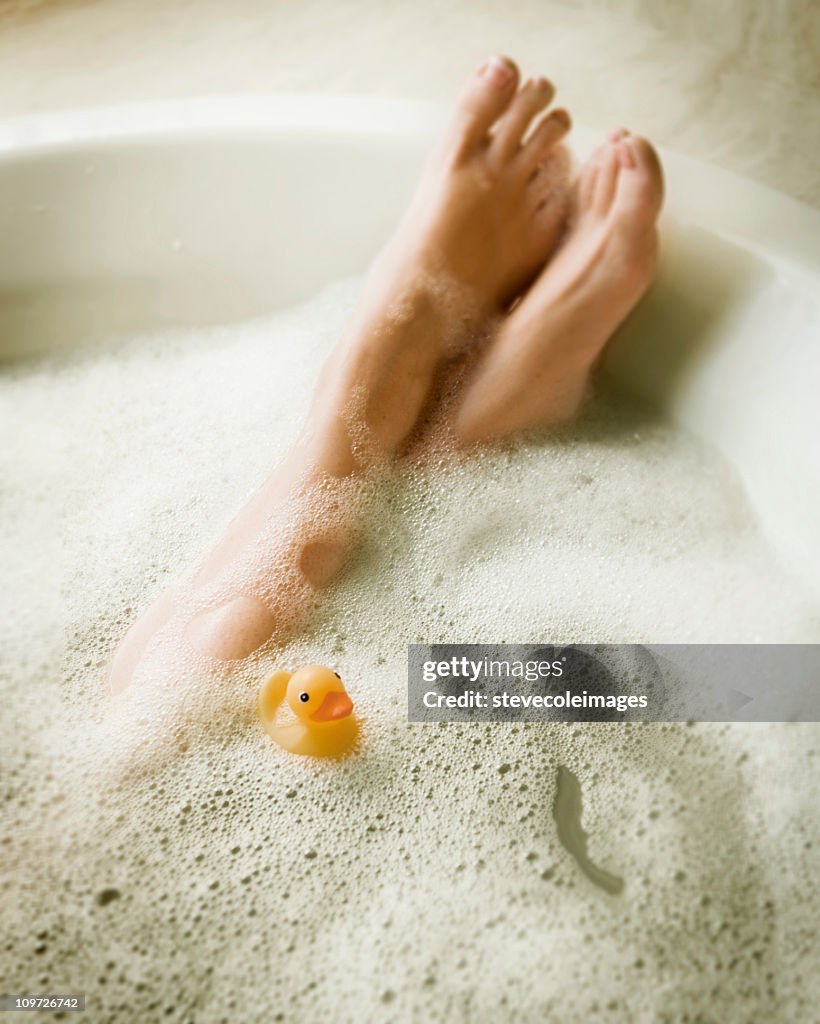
point(335, 706)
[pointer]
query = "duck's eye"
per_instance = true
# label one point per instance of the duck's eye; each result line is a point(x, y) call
point(337, 675)
point(304, 697)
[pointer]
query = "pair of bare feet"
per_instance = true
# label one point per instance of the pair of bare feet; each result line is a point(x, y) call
point(502, 268)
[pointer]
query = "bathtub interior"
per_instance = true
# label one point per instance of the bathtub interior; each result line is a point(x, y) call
point(122, 220)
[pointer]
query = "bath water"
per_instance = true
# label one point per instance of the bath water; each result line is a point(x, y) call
point(161, 856)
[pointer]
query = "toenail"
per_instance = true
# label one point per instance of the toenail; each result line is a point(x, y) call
point(498, 72)
point(626, 155)
point(562, 117)
point(542, 84)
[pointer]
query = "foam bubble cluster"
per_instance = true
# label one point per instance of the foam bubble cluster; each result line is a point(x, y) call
point(162, 856)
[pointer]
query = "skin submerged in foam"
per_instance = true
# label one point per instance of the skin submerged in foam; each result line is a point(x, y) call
point(162, 856)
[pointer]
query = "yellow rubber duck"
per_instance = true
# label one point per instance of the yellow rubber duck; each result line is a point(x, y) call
point(325, 725)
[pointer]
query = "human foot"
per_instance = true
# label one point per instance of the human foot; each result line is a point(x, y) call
point(492, 197)
point(535, 371)
point(489, 209)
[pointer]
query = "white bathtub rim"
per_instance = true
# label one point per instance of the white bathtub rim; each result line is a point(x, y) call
point(704, 193)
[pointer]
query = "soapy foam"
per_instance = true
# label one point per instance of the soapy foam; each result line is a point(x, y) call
point(163, 857)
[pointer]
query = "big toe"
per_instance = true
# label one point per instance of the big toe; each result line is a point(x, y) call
point(483, 100)
point(640, 181)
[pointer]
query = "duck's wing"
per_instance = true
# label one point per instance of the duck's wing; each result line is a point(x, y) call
point(271, 695)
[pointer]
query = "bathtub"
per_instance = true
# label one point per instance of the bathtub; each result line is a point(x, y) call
point(192, 213)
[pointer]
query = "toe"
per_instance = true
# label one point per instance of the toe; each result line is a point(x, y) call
point(550, 194)
point(640, 183)
point(607, 180)
point(553, 171)
point(530, 101)
point(549, 132)
point(549, 184)
point(484, 99)
point(588, 179)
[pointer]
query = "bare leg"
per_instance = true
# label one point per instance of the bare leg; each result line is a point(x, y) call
point(488, 212)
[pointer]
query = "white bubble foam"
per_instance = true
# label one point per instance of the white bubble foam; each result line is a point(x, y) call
point(162, 856)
